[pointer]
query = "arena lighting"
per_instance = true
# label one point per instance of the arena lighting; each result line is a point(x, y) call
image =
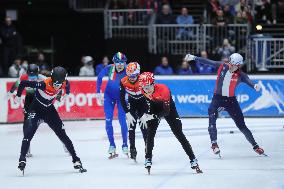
point(258, 27)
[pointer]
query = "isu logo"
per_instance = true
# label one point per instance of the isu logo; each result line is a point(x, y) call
point(270, 97)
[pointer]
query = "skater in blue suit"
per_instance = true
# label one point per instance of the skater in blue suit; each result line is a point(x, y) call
point(115, 72)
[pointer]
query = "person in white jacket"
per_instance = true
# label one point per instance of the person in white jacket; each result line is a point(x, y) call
point(88, 68)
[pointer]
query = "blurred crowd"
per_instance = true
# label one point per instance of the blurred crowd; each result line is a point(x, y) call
point(219, 12)
point(14, 63)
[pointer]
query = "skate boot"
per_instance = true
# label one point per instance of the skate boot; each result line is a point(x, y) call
point(78, 165)
point(148, 164)
point(194, 165)
point(125, 151)
point(21, 166)
point(259, 150)
point(216, 149)
point(133, 154)
point(112, 152)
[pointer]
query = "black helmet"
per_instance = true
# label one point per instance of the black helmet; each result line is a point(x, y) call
point(33, 70)
point(58, 75)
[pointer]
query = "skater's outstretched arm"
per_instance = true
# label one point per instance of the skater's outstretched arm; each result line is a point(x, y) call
point(100, 78)
point(200, 60)
point(244, 78)
point(32, 84)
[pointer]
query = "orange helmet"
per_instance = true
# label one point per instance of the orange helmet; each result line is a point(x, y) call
point(133, 69)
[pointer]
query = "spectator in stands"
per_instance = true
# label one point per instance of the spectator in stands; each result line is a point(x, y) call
point(42, 64)
point(166, 16)
point(117, 18)
point(24, 67)
point(212, 7)
point(101, 66)
point(220, 19)
point(274, 4)
point(11, 41)
point(263, 8)
point(87, 69)
point(203, 68)
point(184, 18)
point(184, 69)
point(15, 68)
point(228, 14)
point(152, 4)
point(225, 50)
point(164, 68)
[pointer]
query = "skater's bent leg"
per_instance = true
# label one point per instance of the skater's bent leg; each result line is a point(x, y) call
point(213, 114)
point(144, 133)
point(236, 114)
point(30, 125)
point(122, 122)
point(176, 127)
point(131, 132)
point(151, 132)
point(108, 109)
point(55, 123)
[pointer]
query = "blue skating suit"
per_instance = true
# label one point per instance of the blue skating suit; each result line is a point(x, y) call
point(111, 97)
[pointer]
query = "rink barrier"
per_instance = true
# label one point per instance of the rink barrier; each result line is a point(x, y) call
point(192, 95)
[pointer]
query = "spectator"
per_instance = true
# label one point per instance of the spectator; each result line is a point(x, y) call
point(203, 68)
point(227, 13)
point(101, 66)
point(185, 69)
point(263, 9)
point(42, 64)
point(226, 50)
point(87, 69)
point(184, 18)
point(241, 18)
point(11, 41)
point(212, 7)
point(166, 16)
point(152, 4)
point(24, 67)
point(164, 68)
point(220, 19)
point(15, 68)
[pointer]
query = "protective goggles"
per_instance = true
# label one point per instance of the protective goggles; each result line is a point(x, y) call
point(57, 85)
point(119, 63)
point(147, 88)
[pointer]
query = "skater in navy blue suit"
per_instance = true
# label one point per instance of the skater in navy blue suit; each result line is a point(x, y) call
point(229, 76)
point(115, 73)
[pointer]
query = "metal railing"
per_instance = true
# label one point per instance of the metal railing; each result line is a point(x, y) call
point(180, 39)
point(127, 23)
point(267, 53)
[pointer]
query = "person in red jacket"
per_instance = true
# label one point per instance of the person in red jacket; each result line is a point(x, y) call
point(161, 105)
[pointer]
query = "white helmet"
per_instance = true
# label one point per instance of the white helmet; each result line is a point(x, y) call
point(236, 59)
point(87, 59)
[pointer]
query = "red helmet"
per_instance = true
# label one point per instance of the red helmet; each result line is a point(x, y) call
point(133, 69)
point(146, 78)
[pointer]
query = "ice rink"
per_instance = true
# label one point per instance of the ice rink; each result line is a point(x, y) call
point(239, 168)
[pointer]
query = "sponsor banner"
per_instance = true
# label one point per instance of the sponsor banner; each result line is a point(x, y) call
point(80, 104)
point(193, 96)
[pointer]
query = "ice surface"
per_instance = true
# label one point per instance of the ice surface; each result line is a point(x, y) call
point(240, 167)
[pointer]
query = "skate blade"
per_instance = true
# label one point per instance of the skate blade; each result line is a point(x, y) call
point(198, 170)
point(148, 170)
point(265, 155)
point(23, 172)
point(112, 156)
point(82, 170)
